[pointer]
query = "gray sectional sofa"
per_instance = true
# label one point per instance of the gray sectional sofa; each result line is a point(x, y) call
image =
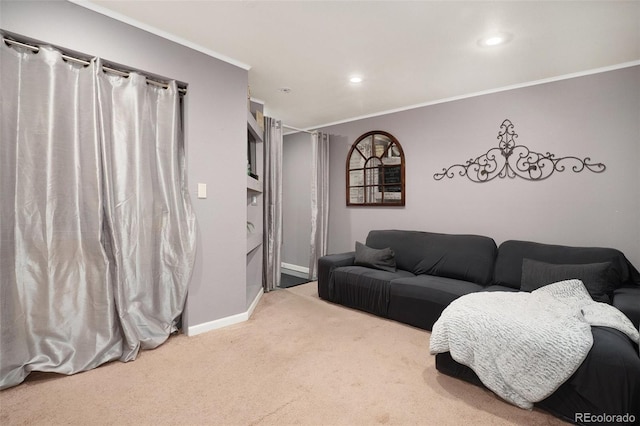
point(412, 276)
point(431, 271)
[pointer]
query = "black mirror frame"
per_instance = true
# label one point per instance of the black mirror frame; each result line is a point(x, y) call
point(354, 150)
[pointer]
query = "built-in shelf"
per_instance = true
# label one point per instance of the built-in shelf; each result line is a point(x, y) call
point(255, 201)
point(253, 127)
point(254, 240)
point(254, 184)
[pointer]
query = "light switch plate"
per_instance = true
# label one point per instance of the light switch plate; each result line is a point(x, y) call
point(202, 190)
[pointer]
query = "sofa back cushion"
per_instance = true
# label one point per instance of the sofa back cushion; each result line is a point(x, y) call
point(464, 257)
point(508, 268)
point(600, 279)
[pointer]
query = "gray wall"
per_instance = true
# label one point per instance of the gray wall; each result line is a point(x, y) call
point(595, 116)
point(296, 199)
point(216, 107)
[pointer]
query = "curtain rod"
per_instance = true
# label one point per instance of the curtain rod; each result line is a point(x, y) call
point(121, 73)
point(299, 130)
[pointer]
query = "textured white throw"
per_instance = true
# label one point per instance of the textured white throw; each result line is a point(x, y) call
point(523, 346)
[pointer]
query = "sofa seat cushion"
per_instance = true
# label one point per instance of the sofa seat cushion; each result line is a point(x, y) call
point(420, 300)
point(499, 288)
point(364, 288)
point(610, 375)
point(438, 289)
point(627, 300)
point(607, 382)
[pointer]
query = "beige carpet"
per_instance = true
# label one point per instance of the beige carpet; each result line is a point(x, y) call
point(298, 360)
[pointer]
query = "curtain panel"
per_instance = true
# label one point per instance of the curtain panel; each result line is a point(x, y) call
point(319, 200)
point(273, 204)
point(97, 234)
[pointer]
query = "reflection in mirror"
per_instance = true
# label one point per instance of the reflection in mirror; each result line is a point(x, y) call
point(375, 171)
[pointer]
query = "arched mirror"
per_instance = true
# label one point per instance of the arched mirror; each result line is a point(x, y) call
point(375, 171)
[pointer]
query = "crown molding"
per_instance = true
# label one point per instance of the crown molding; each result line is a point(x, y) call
point(153, 30)
point(485, 92)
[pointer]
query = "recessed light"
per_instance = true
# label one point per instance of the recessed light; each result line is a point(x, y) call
point(285, 90)
point(355, 79)
point(495, 39)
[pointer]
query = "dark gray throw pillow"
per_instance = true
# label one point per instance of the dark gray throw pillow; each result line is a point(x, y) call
point(384, 259)
point(598, 278)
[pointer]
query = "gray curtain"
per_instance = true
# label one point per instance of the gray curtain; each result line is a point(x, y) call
point(319, 200)
point(272, 203)
point(97, 235)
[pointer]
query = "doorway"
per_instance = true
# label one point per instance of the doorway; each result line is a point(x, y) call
point(296, 209)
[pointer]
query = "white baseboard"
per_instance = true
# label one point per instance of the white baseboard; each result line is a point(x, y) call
point(295, 270)
point(253, 305)
point(226, 321)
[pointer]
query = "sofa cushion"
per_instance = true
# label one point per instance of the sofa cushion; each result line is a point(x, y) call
point(383, 259)
point(464, 257)
point(608, 381)
point(598, 278)
point(364, 288)
point(420, 300)
point(438, 289)
point(499, 288)
point(508, 266)
point(627, 300)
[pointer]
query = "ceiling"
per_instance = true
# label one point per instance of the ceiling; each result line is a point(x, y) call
point(409, 53)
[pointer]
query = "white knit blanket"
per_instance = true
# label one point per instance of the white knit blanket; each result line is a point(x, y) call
point(523, 346)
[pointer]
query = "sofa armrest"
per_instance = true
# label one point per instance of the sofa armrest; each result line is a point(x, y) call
point(326, 265)
point(627, 300)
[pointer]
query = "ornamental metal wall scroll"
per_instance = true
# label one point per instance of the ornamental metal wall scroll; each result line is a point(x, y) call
point(511, 160)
